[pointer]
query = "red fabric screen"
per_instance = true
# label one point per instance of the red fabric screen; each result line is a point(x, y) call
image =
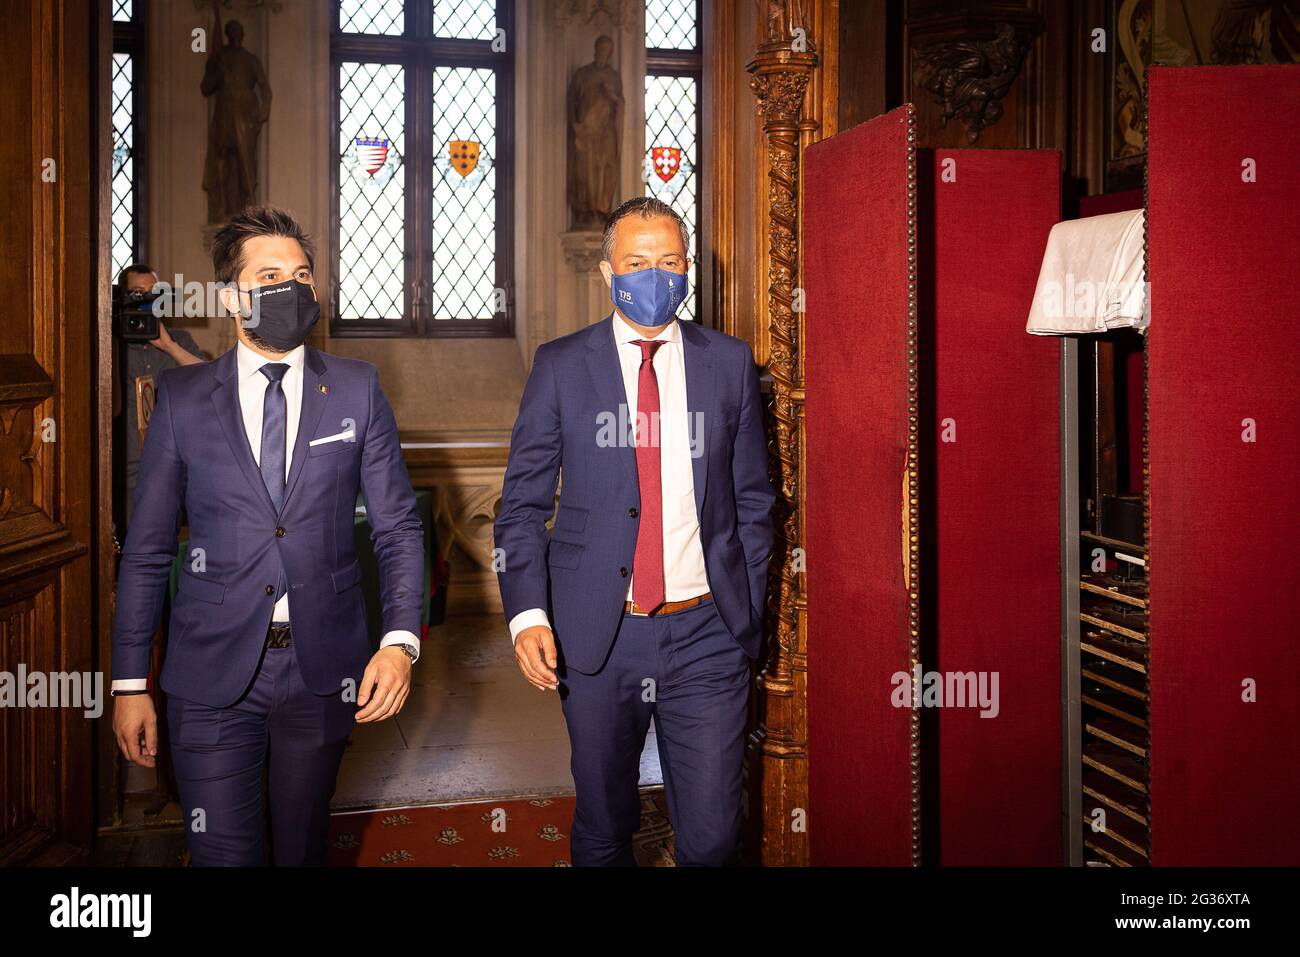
point(856, 262)
point(1225, 564)
point(995, 544)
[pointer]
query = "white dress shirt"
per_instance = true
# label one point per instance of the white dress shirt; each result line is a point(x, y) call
point(252, 398)
point(684, 571)
point(252, 401)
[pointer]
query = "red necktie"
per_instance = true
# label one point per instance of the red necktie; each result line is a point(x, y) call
point(648, 565)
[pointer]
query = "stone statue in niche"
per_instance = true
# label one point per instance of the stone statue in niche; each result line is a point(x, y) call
point(241, 103)
point(594, 109)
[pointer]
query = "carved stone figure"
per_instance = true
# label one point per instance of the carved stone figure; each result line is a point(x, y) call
point(595, 120)
point(241, 103)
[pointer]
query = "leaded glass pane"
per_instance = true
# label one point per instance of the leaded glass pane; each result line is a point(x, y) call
point(465, 19)
point(670, 164)
point(372, 183)
point(670, 25)
point(464, 193)
point(123, 176)
point(372, 16)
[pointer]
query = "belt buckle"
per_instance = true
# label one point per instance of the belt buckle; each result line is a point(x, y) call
point(278, 636)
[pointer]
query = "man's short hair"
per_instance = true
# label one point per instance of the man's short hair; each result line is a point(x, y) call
point(647, 207)
point(228, 243)
point(135, 269)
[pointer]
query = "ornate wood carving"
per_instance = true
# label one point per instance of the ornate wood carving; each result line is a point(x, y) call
point(968, 77)
point(48, 435)
point(777, 750)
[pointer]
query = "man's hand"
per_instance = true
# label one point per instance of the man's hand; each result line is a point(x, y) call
point(169, 346)
point(164, 342)
point(135, 724)
point(535, 653)
point(385, 685)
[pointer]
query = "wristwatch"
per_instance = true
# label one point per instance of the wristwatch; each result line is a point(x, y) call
point(408, 649)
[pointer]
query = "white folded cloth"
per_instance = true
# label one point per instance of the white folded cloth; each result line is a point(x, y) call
point(1092, 277)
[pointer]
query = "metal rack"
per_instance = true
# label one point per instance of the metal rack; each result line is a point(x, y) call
point(1104, 670)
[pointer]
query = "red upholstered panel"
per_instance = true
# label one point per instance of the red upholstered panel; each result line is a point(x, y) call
point(855, 261)
point(1225, 527)
point(996, 498)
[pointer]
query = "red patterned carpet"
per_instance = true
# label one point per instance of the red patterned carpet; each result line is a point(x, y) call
point(515, 833)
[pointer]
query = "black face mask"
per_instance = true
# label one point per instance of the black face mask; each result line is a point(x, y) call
point(283, 315)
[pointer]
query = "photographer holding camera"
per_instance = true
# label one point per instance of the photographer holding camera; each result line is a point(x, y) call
point(142, 358)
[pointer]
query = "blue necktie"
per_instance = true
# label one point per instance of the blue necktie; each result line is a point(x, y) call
point(275, 413)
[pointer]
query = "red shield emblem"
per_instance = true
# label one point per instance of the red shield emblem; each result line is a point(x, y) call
point(371, 152)
point(667, 161)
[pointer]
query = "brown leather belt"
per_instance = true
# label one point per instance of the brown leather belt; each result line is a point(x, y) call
point(277, 636)
point(667, 608)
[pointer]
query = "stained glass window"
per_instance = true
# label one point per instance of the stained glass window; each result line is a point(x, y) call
point(423, 223)
point(125, 112)
point(372, 16)
point(671, 24)
point(672, 121)
point(465, 19)
point(464, 227)
point(372, 189)
point(123, 170)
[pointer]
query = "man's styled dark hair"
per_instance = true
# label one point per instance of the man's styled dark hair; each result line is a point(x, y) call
point(647, 207)
point(228, 243)
point(133, 270)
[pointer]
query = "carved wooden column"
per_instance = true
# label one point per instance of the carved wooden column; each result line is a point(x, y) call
point(793, 86)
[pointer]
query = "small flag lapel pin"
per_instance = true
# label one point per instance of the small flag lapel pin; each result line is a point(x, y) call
point(324, 389)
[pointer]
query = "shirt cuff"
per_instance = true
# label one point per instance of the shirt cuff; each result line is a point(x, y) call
point(402, 638)
point(129, 684)
point(528, 619)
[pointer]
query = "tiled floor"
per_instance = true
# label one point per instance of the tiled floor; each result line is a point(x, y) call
point(473, 728)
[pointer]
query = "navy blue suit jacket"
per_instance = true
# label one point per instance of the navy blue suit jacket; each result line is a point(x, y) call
point(579, 573)
point(197, 457)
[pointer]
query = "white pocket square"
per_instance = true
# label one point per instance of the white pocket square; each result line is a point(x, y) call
point(339, 437)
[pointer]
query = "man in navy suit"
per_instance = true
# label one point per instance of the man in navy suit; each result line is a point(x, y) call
point(646, 599)
point(265, 449)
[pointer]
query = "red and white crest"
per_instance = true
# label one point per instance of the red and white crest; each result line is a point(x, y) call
point(371, 152)
point(667, 160)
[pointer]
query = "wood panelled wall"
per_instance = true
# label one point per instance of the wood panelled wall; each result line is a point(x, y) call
point(981, 74)
point(48, 429)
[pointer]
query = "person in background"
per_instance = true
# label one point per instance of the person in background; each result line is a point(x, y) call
point(169, 350)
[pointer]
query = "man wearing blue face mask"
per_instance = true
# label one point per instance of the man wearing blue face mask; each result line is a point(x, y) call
point(269, 664)
point(645, 601)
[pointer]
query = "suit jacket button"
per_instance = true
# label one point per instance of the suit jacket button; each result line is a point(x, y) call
point(623, 572)
point(631, 513)
point(279, 533)
point(270, 589)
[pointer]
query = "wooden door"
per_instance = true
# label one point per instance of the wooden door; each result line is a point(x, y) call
point(49, 430)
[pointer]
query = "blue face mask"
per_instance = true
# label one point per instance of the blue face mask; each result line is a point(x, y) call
point(649, 297)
